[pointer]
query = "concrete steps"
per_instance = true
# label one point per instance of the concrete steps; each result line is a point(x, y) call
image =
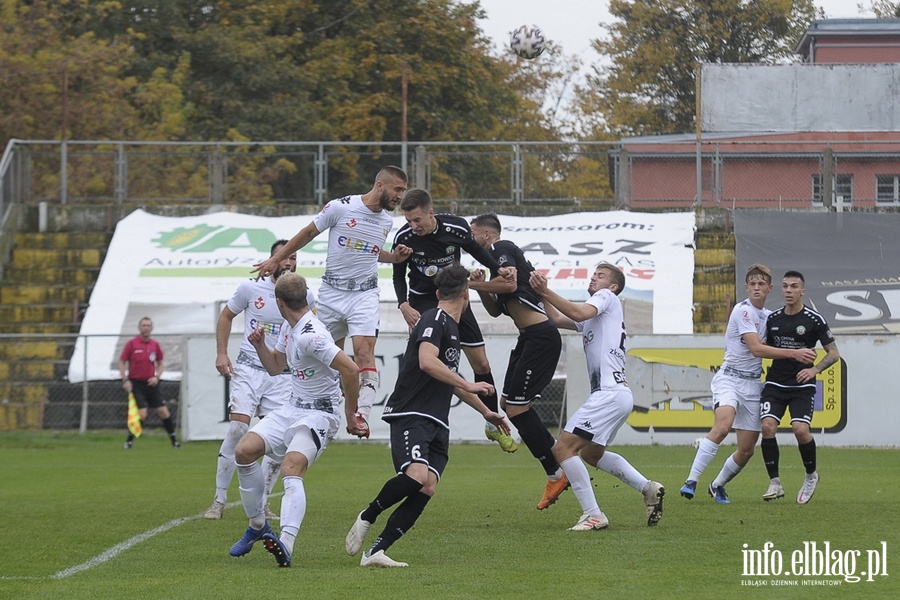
point(714, 291)
point(45, 290)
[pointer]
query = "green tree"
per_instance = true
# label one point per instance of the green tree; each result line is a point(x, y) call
point(655, 47)
point(883, 9)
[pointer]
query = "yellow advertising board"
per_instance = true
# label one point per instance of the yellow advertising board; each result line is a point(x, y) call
point(696, 414)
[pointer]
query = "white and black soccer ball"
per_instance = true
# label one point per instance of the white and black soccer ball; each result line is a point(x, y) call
point(527, 41)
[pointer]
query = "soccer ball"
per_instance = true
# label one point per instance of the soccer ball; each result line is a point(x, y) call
point(527, 41)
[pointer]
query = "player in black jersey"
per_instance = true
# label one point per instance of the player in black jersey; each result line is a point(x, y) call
point(792, 384)
point(418, 412)
point(532, 363)
point(436, 241)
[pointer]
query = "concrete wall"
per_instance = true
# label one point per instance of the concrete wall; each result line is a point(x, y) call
point(800, 97)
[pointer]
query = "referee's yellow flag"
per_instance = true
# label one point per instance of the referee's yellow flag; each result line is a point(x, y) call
point(134, 417)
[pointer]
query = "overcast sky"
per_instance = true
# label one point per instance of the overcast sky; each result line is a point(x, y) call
point(574, 23)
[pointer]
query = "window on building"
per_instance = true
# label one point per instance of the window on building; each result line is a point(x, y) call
point(843, 186)
point(887, 189)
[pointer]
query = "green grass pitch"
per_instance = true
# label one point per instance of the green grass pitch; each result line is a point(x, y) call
point(86, 519)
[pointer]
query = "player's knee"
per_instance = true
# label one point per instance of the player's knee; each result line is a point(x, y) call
point(718, 433)
point(743, 455)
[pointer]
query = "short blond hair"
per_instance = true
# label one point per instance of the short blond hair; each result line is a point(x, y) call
point(758, 269)
point(291, 289)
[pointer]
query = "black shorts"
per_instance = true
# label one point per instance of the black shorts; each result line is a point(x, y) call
point(469, 331)
point(776, 400)
point(532, 363)
point(422, 440)
point(145, 395)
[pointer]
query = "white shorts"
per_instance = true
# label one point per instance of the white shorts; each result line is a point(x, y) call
point(601, 416)
point(742, 395)
point(293, 429)
point(349, 314)
point(251, 390)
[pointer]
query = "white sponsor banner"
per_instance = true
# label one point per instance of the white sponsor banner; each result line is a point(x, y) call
point(180, 270)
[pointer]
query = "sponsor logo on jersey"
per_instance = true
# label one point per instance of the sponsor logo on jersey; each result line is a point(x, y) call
point(303, 373)
point(357, 245)
point(268, 328)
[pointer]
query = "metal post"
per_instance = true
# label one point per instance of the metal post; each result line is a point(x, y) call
point(517, 175)
point(217, 176)
point(828, 177)
point(421, 157)
point(699, 174)
point(121, 173)
point(320, 176)
point(623, 178)
point(82, 427)
point(63, 171)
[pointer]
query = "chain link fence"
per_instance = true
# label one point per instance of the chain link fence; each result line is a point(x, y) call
point(308, 173)
point(36, 392)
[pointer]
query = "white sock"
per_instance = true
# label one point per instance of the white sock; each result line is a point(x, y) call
point(368, 390)
point(729, 471)
point(271, 468)
point(705, 453)
point(617, 466)
point(580, 479)
point(293, 509)
point(225, 463)
point(252, 486)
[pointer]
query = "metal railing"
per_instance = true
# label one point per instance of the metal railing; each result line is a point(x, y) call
point(296, 172)
point(37, 393)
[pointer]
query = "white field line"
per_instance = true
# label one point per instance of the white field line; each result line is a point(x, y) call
point(113, 552)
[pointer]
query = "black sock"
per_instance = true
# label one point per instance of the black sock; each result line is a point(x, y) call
point(393, 491)
point(770, 454)
point(808, 455)
point(401, 521)
point(130, 437)
point(489, 400)
point(537, 438)
point(169, 425)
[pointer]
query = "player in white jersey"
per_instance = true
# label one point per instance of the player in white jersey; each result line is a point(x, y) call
point(736, 386)
point(252, 391)
point(593, 427)
point(348, 298)
point(297, 433)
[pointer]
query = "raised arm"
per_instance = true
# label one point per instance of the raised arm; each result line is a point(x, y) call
point(270, 265)
point(576, 312)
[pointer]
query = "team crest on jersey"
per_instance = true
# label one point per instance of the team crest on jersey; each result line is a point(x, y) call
point(801, 330)
point(431, 270)
point(351, 223)
point(450, 249)
point(259, 303)
point(452, 355)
